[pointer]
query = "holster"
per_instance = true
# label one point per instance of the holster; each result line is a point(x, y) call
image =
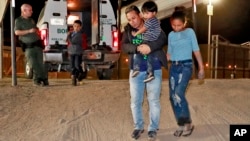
point(38, 43)
point(22, 45)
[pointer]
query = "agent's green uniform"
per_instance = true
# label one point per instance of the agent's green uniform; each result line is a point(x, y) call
point(33, 52)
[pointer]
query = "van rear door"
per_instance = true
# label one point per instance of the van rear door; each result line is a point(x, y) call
point(53, 19)
point(103, 23)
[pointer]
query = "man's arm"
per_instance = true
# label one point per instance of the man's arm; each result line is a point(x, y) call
point(168, 56)
point(19, 31)
point(126, 44)
point(24, 32)
point(159, 43)
point(152, 46)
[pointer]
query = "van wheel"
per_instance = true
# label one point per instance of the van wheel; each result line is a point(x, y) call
point(28, 71)
point(104, 74)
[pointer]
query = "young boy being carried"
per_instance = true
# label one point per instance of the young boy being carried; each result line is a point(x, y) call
point(150, 32)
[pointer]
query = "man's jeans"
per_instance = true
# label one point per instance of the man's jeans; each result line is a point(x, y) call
point(179, 77)
point(153, 90)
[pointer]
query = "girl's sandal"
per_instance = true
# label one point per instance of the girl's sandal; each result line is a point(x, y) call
point(179, 131)
point(188, 131)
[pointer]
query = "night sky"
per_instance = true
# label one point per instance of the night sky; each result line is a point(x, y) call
point(231, 19)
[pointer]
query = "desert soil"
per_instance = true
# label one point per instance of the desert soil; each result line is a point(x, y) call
point(100, 110)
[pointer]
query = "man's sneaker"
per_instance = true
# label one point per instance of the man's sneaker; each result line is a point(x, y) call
point(151, 135)
point(137, 133)
point(149, 78)
point(135, 73)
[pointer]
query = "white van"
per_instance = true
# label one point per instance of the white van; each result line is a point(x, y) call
point(102, 52)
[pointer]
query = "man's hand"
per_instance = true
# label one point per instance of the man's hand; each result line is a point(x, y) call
point(144, 49)
point(32, 30)
point(133, 33)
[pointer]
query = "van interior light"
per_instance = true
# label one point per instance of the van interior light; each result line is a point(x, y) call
point(71, 4)
point(72, 18)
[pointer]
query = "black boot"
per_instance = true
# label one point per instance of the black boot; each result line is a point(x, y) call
point(45, 82)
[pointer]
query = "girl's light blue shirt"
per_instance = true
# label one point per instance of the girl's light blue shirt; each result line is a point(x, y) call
point(182, 44)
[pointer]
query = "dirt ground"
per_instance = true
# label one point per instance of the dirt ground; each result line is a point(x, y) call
point(100, 110)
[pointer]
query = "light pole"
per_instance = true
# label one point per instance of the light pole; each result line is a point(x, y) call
point(13, 44)
point(209, 13)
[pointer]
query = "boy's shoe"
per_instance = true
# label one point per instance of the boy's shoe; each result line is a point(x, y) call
point(135, 73)
point(149, 78)
point(80, 77)
point(73, 80)
point(151, 135)
point(137, 133)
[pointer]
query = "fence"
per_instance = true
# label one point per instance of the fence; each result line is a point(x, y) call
point(20, 65)
point(229, 60)
point(7, 67)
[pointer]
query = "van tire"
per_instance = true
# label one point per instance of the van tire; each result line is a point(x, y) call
point(28, 71)
point(104, 74)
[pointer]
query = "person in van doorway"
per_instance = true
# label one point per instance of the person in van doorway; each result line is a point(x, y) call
point(149, 32)
point(131, 45)
point(182, 43)
point(27, 32)
point(75, 50)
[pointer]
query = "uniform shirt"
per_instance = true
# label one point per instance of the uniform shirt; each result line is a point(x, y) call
point(153, 29)
point(26, 24)
point(182, 44)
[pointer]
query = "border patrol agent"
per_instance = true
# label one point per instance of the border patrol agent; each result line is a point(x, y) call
point(31, 43)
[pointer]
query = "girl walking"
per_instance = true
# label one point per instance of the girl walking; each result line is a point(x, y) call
point(182, 43)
